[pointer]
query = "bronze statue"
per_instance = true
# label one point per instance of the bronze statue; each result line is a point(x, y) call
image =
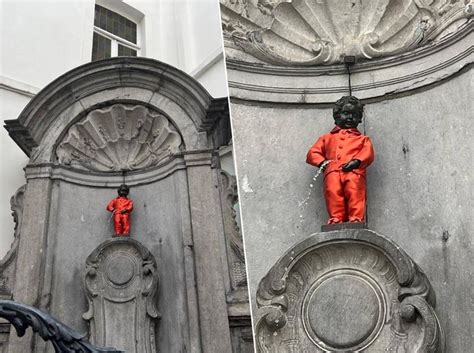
point(344, 154)
point(121, 206)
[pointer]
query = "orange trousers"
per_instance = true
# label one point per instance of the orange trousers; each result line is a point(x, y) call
point(345, 197)
point(122, 223)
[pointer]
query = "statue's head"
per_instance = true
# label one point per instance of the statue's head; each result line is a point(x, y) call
point(348, 112)
point(123, 190)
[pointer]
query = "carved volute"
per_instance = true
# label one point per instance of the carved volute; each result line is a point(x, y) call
point(347, 291)
point(8, 263)
point(229, 198)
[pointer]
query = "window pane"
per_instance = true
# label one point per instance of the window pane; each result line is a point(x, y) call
point(101, 47)
point(116, 24)
point(124, 51)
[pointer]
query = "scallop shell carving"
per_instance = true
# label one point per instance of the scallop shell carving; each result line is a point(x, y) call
point(117, 138)
point(315, 32)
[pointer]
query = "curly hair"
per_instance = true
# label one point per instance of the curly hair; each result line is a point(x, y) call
point(345, 100)
point(124, 187)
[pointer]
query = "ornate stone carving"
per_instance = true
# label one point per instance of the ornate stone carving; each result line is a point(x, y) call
point(63, 338)
point(315, 32)
point(119, 137)
point(121, 282)
point(230, 198)
point(7, 264)
point(348, 290)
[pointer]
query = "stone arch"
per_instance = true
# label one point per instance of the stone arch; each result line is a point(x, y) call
point(144, 81)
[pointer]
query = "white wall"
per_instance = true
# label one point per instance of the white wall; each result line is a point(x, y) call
point(12, 161)
point(40, 40)
point(44, 39)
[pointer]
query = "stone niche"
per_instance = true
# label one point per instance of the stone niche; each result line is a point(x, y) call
point(349, 290)
point(150, 125)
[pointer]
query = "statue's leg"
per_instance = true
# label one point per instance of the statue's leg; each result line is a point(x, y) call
point(334, 195)
point(354, 191)
point(126, 223)
point(118, 223)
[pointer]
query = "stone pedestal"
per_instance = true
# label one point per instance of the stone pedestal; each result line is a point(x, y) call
point(121, 281)
point(349, 290)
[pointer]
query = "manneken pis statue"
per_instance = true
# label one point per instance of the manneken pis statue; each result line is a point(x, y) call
point(121, 206)
point(344, 154)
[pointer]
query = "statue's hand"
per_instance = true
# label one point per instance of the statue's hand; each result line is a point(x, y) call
point(353, 164)
point(323, 165)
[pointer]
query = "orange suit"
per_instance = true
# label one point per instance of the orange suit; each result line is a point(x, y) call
point(121, 207)
point(344, 191)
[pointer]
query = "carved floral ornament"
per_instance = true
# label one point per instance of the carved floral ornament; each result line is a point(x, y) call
point(119, 137)
point(319, 32)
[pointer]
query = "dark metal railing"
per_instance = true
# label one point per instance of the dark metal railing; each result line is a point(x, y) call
point(63, 338)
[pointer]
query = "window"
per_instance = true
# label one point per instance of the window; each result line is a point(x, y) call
point(114, 35)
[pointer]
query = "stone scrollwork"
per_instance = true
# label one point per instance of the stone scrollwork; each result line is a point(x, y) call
point(319, 32)
point(229, 199)
point(349, 290)
point(117, 138)
point(121, 282)
point(7, 264)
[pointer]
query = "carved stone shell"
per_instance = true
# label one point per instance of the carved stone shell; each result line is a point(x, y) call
point(119, 137)
point(314, 32)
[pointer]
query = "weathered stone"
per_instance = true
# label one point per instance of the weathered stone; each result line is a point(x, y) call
point(121, 280)
point(30, 257)
point(8, 263)
point(234, 241)
point(119, 138)
point(341, 226)
point(204, 201)
point(316, 32)
point(347, 290)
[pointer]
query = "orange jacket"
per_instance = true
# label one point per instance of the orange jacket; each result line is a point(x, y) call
point(120, 204)
point(341, 146)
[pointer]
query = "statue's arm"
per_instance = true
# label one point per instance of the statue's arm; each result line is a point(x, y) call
point(129, 207)
point(366, 155)
point(317, 154)
point(111, 206)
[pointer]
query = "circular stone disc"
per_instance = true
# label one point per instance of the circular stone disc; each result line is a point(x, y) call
point(120, 270)
point(343, 311)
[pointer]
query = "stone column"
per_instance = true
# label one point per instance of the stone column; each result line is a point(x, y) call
point(207, 229)
point(31, 254)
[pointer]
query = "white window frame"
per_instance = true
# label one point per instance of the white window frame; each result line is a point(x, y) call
point(130, 14)
point(116, 40)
